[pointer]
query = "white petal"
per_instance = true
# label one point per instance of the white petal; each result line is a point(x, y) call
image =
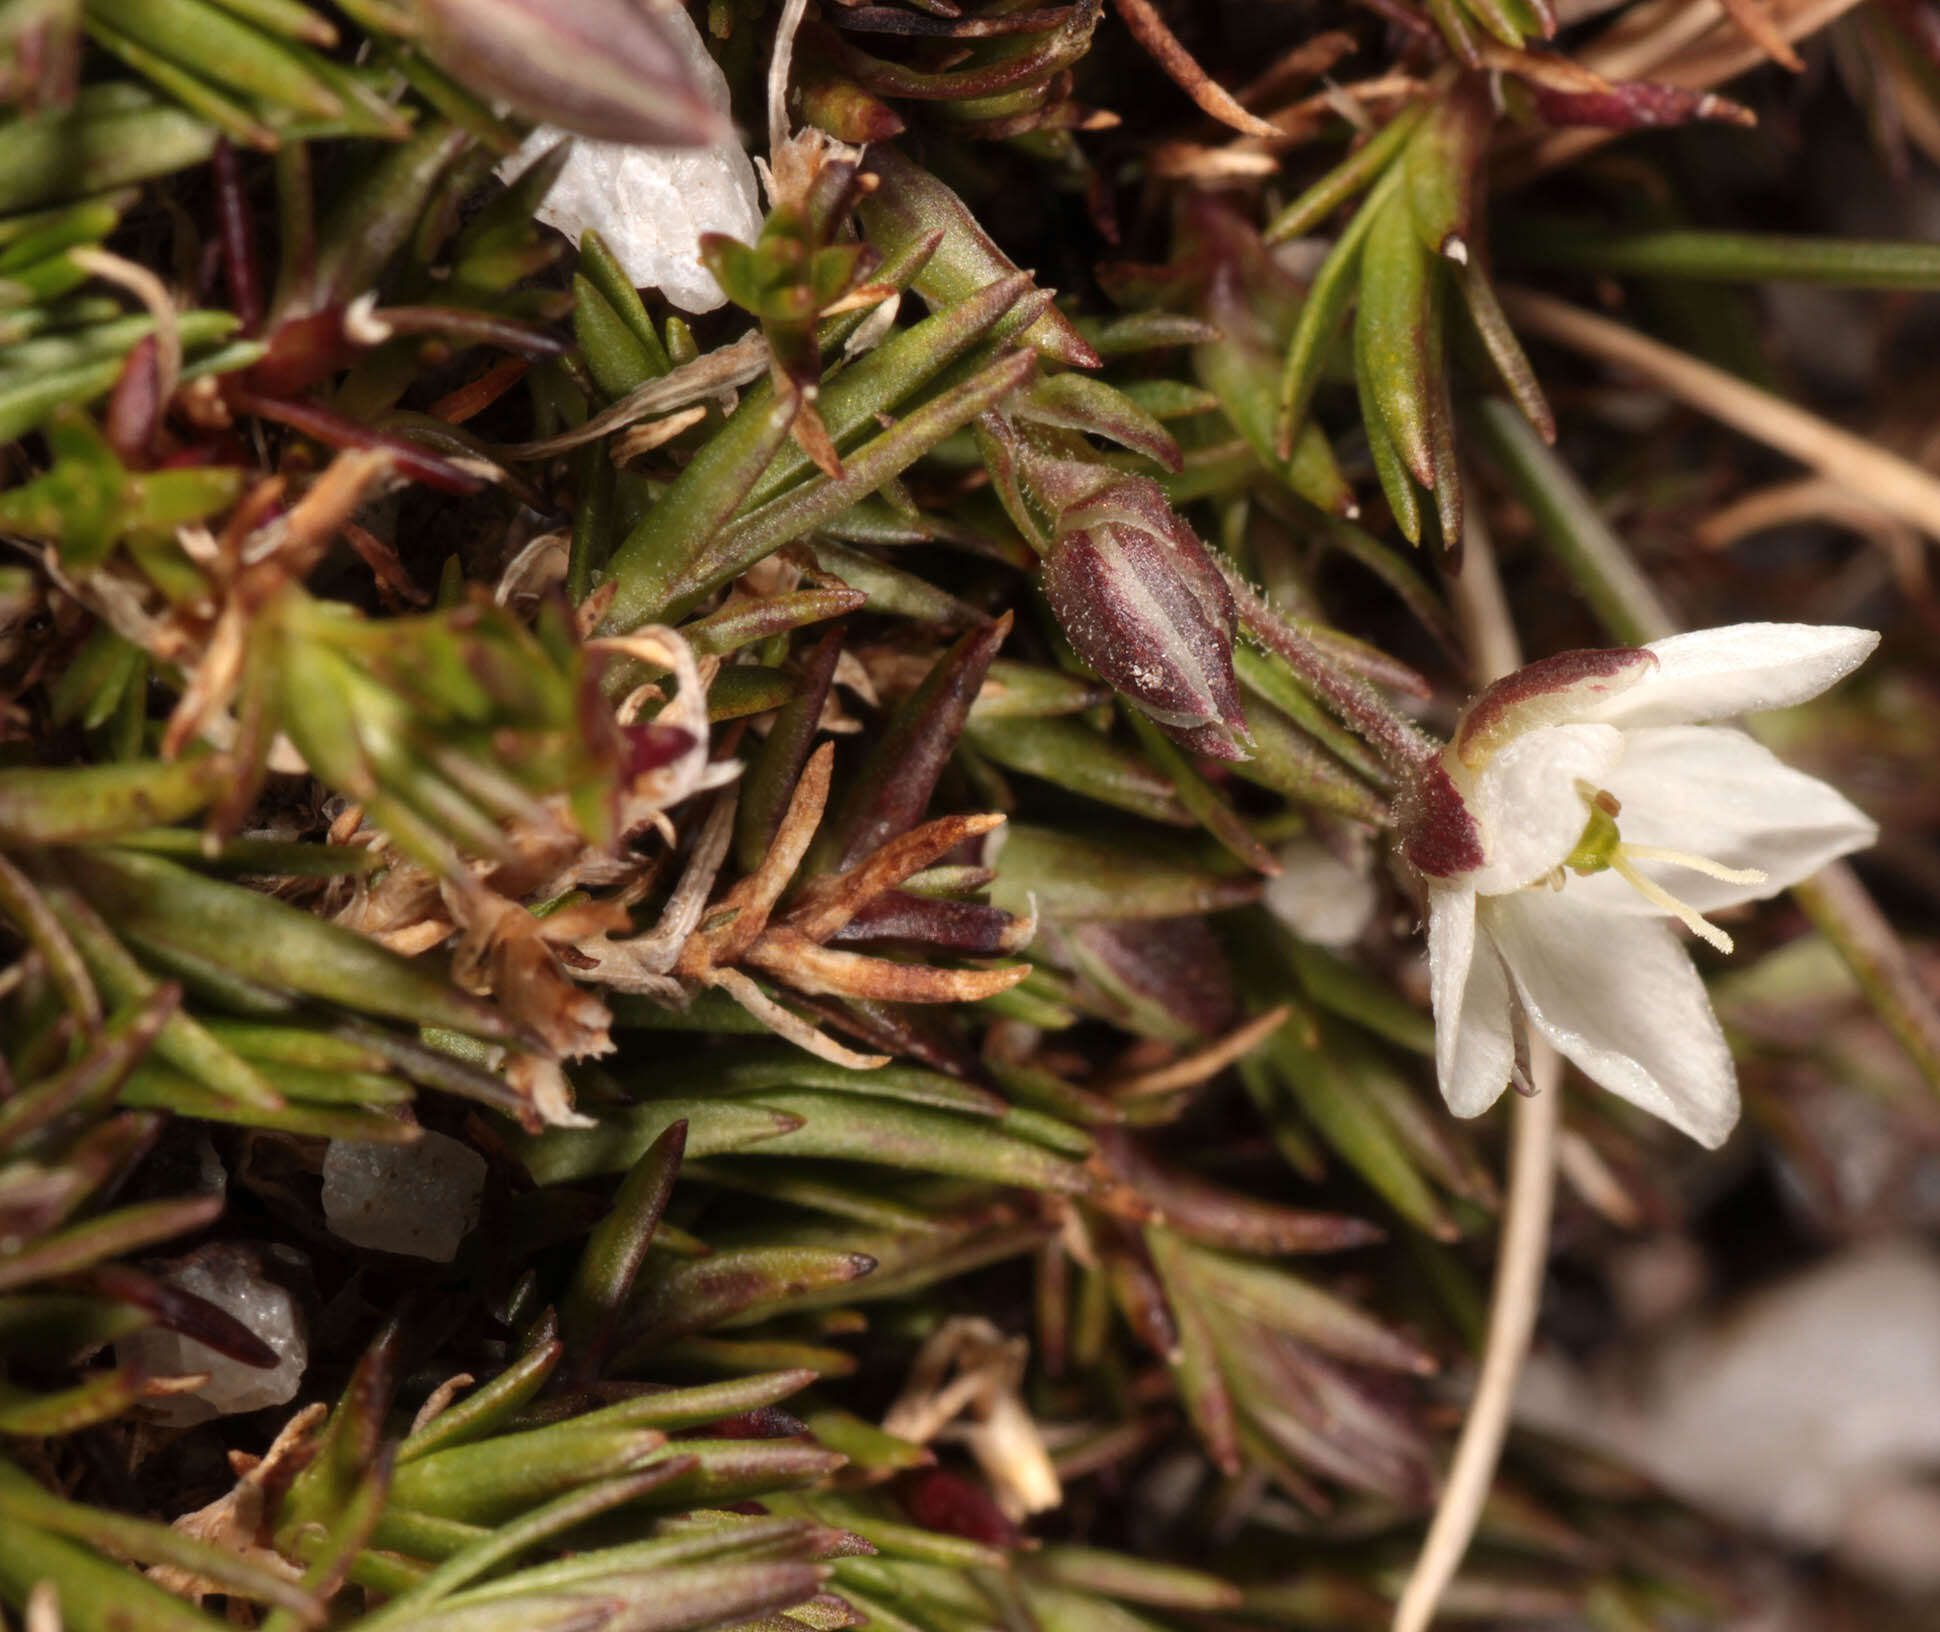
point(1451, 948)
point(1619, 998)
point(1474, 1048)
point(1527, 804)
point(1713, 674)
point(1713, 792)
point(1320, 897)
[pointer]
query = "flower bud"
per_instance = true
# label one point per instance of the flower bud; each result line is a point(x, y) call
point(615, 70)
point(1147, 610)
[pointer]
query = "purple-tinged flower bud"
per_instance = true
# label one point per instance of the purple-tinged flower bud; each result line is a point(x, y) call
point(610, 69)
point(1148, 611)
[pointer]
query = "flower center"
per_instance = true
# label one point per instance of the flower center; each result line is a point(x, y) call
point(1602, 848)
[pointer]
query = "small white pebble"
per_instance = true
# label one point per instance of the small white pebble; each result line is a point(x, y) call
point(230, 1278)
point(419, 1200)
point(1811, 1410)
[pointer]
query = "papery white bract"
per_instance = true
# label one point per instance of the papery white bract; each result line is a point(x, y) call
point(1581, 804)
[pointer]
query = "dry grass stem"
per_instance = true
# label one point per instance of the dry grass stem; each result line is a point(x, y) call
point(1871, 473)
point(1205, 1063)
point(1148, 27)
point(1521, 1256)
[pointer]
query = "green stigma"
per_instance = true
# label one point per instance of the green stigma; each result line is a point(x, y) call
point(1597, 845)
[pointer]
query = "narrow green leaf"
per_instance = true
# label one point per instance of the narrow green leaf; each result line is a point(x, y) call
point(891, 590)
point(112, 136)
point(663, 1600)
point(710, 1537)
point(1351, 177)
point(1015, 691)
point(759, 1069)
point(103, 1397)
point(183, 1042)
point(493, 1480)
point(94, 1595)
point(915, 1137)
point(602, 269)
point(24, 1502)
point(744, 622)
point(128, 1230)
point(758, 534)
point(713, 1129)
point(1452, 18)
point(1721, 257)
point(1081, 760)
point(1447, 485)
point(484, 1411)
point(652, 561)
point(1328, 1098)
point(277, 943)
point(1209, 808)
point(1141, 1580)
point(1441, 162)
point(673, 1409)
point(892, 373)
point(1504, 349)
point(731, 1287)
point(615, 1250)
point(1391, 334)
point(189, 32)
point(375, 216)
point(614, 352)
point(40, 926)
point(910, 204)
point(158, 1088)
point(1078, 878)
point(721, 1471)
point(1321, 315)
point(1274, 1298)
point(230, 117)
point(1397, 486)
point(1346, 989)
point(529, 1530)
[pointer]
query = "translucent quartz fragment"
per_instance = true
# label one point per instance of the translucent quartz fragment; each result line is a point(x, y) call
point(230, 1277)
point(419, 1200)
point(1810, 1409)
point(651, 204)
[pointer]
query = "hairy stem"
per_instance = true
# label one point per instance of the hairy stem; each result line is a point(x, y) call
point(1402, 745)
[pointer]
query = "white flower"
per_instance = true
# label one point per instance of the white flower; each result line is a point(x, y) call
point(1581, 805)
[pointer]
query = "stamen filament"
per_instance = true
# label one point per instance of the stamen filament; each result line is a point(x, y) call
point(1658, 896)
point(1697, 864)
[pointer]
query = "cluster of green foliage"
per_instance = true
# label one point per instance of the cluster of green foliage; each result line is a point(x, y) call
point(443, 688)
